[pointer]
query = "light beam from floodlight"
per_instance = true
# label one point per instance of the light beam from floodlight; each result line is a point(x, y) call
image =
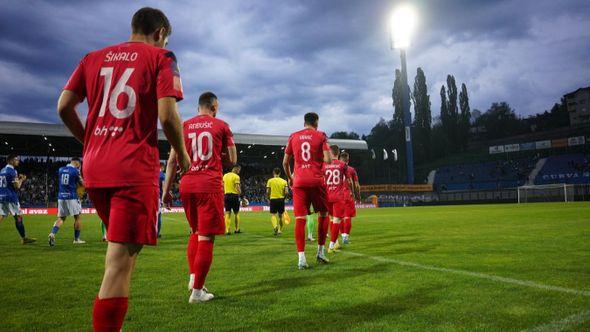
point(403, 23)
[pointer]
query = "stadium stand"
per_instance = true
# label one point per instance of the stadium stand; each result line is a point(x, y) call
point(570, 169)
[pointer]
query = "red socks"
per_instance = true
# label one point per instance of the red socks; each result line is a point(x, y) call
point(334, 232)
point(191, 251)
point(347, 226)
point(109, 314)
point(300, 234)
point(202, 263)
point(323, 223)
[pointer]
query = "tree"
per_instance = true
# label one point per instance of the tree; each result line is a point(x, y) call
point(501, 121)
point(464, 118)
point(345, 135)
point(445, 118)
point(453, 111)
point(422, 117)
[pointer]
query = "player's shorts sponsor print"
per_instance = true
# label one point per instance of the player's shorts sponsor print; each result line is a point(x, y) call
point(350, 209)
point(232, 203)
point(9, 209)
point(303, 197)
point(129, 213)
point(204, 212)
point(68, 207)
point(277, 205)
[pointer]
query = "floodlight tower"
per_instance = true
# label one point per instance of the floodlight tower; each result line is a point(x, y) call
point(403, 23)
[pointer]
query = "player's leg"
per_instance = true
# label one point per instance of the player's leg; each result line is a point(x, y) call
point(338, 211)
point(56, 225)
point(281, 212)
point(301, 208)
point(189, 204)
point(275, 223)
point(78, 229)
point(131, 223)
point(103, 230)
point(320, 204)
point(159, 223)
point(236, 210)
point(18, 223)
point(110, 306)
point(227, 204)
point(310, 227)
point(210, 216)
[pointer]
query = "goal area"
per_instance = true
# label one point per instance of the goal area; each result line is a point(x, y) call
point(559, 192)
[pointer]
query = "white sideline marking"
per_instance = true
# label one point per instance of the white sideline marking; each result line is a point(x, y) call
point(525, 283)
point(563, 324)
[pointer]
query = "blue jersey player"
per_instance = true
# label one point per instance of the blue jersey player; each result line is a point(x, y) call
point(68, 203)
point(10, 183)
point(161, 181)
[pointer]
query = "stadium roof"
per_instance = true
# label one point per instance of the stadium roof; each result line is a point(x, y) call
point(59, 130)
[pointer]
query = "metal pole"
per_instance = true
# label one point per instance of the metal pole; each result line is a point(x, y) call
point(407, 120)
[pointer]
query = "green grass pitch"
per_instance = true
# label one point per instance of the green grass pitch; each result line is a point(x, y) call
point(444, 268)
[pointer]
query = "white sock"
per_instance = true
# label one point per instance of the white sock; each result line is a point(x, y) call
point(332, 245)
point(301, 255)
point(320, 249)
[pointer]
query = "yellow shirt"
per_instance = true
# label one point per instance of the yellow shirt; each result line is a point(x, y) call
point(230, 180)
point(277, 187)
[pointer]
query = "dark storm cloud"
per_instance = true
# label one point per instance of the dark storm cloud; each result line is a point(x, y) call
point(272, 60)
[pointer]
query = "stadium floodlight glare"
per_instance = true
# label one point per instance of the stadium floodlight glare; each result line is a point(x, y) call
point(403, 23)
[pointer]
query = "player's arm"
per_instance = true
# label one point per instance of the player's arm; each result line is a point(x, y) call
point(238, 188)
point(170, 177)
point(172, 126)
point(357, 188)
point(327, 157)
point(66, 109)
point(268, 191)
point(18, 181)
point(286, 191)
point(287, 167)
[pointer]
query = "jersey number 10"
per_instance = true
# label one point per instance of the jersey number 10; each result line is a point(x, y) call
point(197, 146)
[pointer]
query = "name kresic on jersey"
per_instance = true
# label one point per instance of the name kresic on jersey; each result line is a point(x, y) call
point(201, 125)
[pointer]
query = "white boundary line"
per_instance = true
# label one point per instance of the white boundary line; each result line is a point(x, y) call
point(563, 324)
point(525, 283)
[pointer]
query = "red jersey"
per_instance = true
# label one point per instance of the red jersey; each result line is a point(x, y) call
point(307, 147)
point(206, 138)
point(337, 181)
point(122, 84)
point(352, 174)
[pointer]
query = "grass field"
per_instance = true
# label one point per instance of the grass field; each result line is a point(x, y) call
point(451, 268)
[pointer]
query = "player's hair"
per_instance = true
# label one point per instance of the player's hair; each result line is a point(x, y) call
point(236, 167)
point(10, 157)
point(335, 149)
point(276, 171)
point(207, 99)
point(76, 159)
point(344, 156)
point(147, 20)
point(311, 118)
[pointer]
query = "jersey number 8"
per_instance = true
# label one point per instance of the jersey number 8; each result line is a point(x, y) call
point(305, 151)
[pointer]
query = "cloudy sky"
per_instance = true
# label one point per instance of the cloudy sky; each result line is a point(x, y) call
point(272, 61)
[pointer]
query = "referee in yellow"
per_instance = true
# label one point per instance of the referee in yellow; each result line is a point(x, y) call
point(232, 191)
point(276, 189)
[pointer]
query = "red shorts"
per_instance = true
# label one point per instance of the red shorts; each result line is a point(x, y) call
point(303, 197)
point(337, 209)
point(130, 214)
point(204, 212)
point(350, 209)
